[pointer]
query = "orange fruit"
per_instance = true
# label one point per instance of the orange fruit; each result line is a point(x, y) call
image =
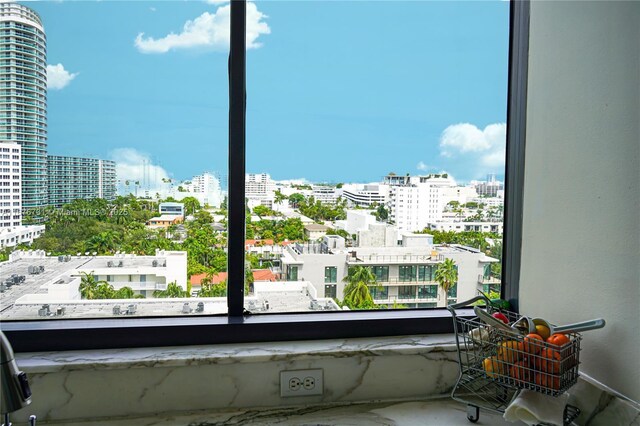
point(511, 351)
point(558, 339)
point(543, 331)
point(521, 372)
point(549, 381)
point(548, 361)
point(533, 343)
point(492, 366)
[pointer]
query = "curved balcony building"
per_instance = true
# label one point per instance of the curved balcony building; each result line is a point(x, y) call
point(23, 96)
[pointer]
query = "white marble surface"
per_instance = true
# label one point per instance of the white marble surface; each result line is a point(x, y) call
point(143, 382)
point(48, 362)
point(411, 413)
point(237, 380)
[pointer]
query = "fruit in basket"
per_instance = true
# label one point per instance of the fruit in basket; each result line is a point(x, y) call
point(543, 331)
point(522, 372)
point(548, 361)
point(511, 351)
point(493, 366)
point(549, 381)
point(479, 335)
point(558, 339)
point(533, 343)
point(502, 317)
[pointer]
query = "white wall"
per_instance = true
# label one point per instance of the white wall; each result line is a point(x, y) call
point(581, 227)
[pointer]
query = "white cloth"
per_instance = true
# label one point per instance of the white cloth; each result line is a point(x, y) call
point(533, 407)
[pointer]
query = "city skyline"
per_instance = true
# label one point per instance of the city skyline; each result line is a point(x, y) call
point(136, 93)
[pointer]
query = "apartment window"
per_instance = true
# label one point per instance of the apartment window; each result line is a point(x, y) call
point(407, 292)
point(379, 292)
point(425, 272)
point(407, 272)
point(381, 273)
point(330, 274)
point(268, 112)
point(427, 291)
point(330, 291)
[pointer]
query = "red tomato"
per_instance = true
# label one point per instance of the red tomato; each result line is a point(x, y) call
point(502, 317)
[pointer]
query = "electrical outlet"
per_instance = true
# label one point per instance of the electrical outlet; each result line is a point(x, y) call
point(301, 382)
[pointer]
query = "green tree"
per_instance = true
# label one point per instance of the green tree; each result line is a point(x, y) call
point(296, 199)
point(356, 292)
point(173, 291)
point(279, 197)
point(446, 276)
point(191, 205)
point(89, 285)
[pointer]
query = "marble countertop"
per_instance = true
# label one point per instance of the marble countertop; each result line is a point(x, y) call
point(48, 362)
point(409, 413)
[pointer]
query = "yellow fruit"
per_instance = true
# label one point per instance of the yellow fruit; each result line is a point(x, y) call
point(543, 331)
point(492, 366)
point(511, 351)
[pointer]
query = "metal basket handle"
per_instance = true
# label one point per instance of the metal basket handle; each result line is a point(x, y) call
point(459, 305)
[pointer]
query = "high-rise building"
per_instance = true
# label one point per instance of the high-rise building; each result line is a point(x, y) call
point(10, 185)
point(417, 201)
point(23, 96)
point(71, 178)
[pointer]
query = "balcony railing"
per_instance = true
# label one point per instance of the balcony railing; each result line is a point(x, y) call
point(383, 259)
point(488, 280)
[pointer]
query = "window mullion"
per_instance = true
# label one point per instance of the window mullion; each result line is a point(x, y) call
point(236, 197)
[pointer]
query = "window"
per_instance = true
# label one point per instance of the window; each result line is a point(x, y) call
point(276, 261)
point(407, 273)
point(381, 273)
point(330, 274)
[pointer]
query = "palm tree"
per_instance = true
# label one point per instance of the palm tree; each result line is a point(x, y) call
point(447, 276)
point(173, 290)
point(124, 293)
point(356, 292)
point(89, 286)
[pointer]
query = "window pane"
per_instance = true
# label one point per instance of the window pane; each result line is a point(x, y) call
point(117, 122)
point(340, 94)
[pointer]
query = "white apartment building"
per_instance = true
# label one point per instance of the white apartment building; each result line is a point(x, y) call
point(405, 272)
point(364, 195)
point(24, 234)
point(421, 200)
point(459, 226)
point(357, 220)
point(259, 189)
point(10, 185)
point(206, 188)
point(325, 194)
point(61, 275)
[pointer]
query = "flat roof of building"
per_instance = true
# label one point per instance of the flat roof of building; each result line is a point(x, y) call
point(261, 302)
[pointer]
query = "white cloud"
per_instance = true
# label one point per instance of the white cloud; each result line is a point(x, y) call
point(209, 30)
point(135, 166)
point(486, 148)
point(422, 166)
point(58, 78)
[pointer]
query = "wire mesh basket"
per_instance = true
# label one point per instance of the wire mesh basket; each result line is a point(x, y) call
point(497, 362)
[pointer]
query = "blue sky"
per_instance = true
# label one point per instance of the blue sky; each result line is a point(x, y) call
point(337, 91)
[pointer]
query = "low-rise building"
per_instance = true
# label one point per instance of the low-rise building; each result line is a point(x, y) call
point(164, 221)
point(404, 267)
point(171, 209)
point(25, 234)
point(459, 226)
point(314, 231)
point(365, 195)
point(57, 279)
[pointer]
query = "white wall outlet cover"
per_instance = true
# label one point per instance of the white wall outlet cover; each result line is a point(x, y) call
point(301, 382)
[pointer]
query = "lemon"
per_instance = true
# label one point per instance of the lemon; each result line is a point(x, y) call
point(543, 331)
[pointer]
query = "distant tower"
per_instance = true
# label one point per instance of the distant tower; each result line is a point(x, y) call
point(23, 96)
